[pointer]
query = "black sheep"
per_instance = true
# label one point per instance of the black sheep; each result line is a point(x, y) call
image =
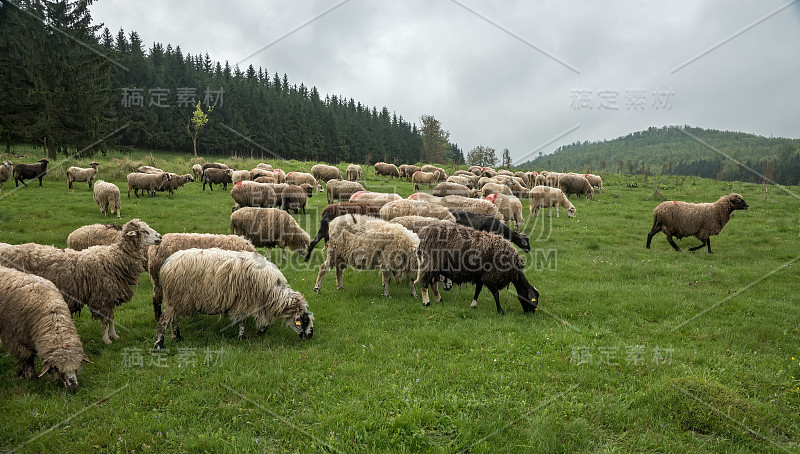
point(491, 224)
point(24, 172)
point(463, 254)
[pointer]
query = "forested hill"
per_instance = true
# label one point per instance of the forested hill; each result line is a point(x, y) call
point(68, 84)
point(680, 150)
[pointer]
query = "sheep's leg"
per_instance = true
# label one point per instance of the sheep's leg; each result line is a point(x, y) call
point(157, 301)
point(340, 266)
point(241, 330)
point(326, 265)
point(425, 281)
point(112, 333)
point(436, 295)
point(656, 228)
point(386, 277)
point(413, 290)
point(551, 211)
point(162, 325)
point(262, 330)
point(478, 288)
point(106, 339)
point(706, 242)
point(26, 369)
point(672, 242)
point(496, 295)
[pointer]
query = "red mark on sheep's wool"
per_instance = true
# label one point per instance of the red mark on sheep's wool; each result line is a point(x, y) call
point(238, 183)
point(491, 197)
point(355, 196)
point(674, 202)
point(586, 176)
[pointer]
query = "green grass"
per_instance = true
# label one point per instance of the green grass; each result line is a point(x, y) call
point(601, 368)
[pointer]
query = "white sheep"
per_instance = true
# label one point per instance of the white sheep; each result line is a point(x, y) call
point(377, 199)
point(428, 178)
point(270, 227)
point(149, 182)
point(6, 171)
point(509, 206)
point(107, 197)
point(495, 188)
point(80, 174)
point(197, 172)
point(545, 196)
point(240, 175)
point(239, 284)
point(341, 189)
point(405, 207)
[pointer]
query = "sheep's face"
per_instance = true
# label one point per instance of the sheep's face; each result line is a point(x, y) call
point(529, 298)
point(738, 202)
point(148, 237)
point(524, 243)
point(304, 325)
point(65, 365)
point(571, 212)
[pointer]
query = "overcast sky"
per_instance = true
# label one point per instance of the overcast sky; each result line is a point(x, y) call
point(527, 76)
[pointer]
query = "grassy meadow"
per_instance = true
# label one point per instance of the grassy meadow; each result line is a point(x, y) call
point(632, 350)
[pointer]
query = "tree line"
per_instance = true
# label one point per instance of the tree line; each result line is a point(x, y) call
point(69, 86)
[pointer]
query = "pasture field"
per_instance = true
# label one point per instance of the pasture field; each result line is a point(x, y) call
point(632, 350)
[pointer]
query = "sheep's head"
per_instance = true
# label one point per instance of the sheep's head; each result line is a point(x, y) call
point(188, 177)
point(571, 211)
point(94, 165)
point(65, 364)
point(737, 202)
point(138, 229)
point(303, 323)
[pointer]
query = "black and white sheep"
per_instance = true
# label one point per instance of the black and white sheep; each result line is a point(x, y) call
point(24, 172)
point(701, 220)
point(37, 322)
point(100, 277)
point(239, 284)
point(463, 254)
point(333, 211)
point(79, 174)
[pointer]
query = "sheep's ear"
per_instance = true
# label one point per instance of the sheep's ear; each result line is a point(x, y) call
point(45, 370)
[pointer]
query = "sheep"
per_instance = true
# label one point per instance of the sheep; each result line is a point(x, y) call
point(265, 179)
point(6, 170)
point(462, 180)
point(333, 211)
point(405, 207)
point(545, 196)
point(575, 184)
point(240, 175)
point(701, 220)
point(24, 172)
point(239, 284)
point(595, 180)
point(107, 197)
point(36, 322)
point(446, 188)
point(148, 169)
point(495, 188)
point(377, 199)
point(421, 177)
point(354, 172)
point(477, 206)
point(253, 194)
point(483, 181)
point(213, 176)
point(176, 181)
point(150, 182)
point(524, 177)
point(407, 170)
point(518, 190)
point(100, 277)
point(509, 206)
point(269, 227)
point(505, 172)
point(415, 223)
point(383, 168)
point(432, 169)
point(541, 180)
point(174, 242)
point(278, 188)
point(463, 173)
point(491, 224)
point(425, 197)
point(552, 179)
point(341, 189)
point(294, 198)
point(279, 175)
point(263, 166)
point(475, 170)
point(299, 178)
point(488, 172)
point(324, 172)
point(93, 235)
point(197, 172)
point(213, 165)
point(255, 173)
point(368, 243)
point(80, 174)
point(463, 254)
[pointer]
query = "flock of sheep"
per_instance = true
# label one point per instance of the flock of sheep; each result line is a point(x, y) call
point(459, 234)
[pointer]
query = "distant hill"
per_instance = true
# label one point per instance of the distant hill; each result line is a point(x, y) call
point(680, 150)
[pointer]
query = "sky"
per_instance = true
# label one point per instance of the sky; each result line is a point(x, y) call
point(524, 75)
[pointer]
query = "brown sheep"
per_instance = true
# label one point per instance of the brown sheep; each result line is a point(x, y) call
point(574, 184)
point(294, 198)
point(431, 169)
point(382, 168)
point(324, 172)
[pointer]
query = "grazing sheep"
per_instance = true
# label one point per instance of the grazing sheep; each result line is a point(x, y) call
point(341, 189)
point(377, 199)
point(433, 169)
point(421, 177)
point(107, 197)
point(495, 188)
point(235, 283)
point(425, 197)
point(240, 175)
point(253, 194)
point(148, 169)
point(93, 235)
point(518, 190)
point(24, 172)
point(6, 170)
point(212, 176)
point(545, 196)
point(575, 184)
point(477, 206)
point(255, 173)
point(509, 206)
point(269, 227)
point(552, 179)
point(505, 172)
point(415, 223)
point(100, 277)
point(197, 172)
point(475, 170)
point(80, 174)
point(294, 198)
point(36, 322)
point(324, 172)
point(462, 180)
point(368, 243)
point(524, 177)
point(213, 165)
point(383, 168)
point(298, 178)
point(701, 220)
point(176, 181)
point(488, 172)
point(279, 175)
point(407, 170)
point(491, 224)
point(595, 180)
point(310, 189)
point(263, 166)
point(333, 211)
point(405, 207)
point(463, 254)
point(266, 179)
point(149, 182)
point(541, 180)
point(446, 188)
point(354, 172)
point(174, 242)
